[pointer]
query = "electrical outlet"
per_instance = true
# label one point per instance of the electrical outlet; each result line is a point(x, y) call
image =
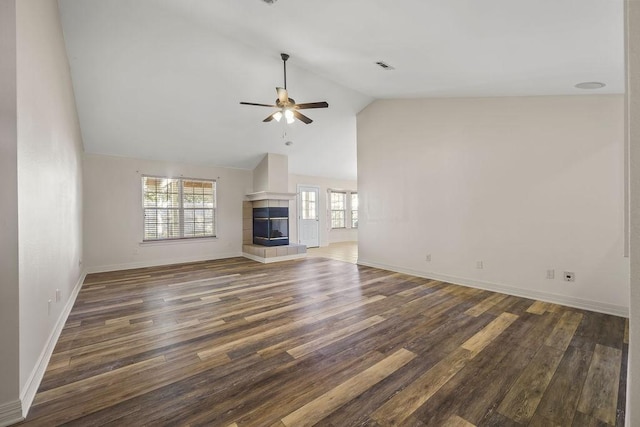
point(479, 265)
point(569, 276)
point(551, 274)
point(428, 258)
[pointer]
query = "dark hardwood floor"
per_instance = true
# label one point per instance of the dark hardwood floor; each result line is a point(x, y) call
point(317, 341)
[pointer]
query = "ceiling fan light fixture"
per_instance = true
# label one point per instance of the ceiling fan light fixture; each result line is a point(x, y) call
point(288, 114)
point(277, 115)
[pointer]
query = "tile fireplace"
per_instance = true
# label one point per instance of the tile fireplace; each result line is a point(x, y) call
point(266, 228)
point(271, 226)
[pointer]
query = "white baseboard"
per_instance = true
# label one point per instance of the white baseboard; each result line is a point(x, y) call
point(10, 413)
point(273, 259)
point(601, 307)
point(31, 387)
point(155, 263)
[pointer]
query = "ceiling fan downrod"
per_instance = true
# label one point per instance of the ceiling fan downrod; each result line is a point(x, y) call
point(284, 57)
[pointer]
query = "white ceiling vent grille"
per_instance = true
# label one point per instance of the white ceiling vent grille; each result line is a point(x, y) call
point(384, 65)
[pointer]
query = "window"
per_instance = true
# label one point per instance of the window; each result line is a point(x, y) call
point(354, 210)
point(338, 209)
point(178, 208)
point(344, 209)
point(308, 202)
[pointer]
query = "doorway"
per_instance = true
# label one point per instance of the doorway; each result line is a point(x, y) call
point(308, 215)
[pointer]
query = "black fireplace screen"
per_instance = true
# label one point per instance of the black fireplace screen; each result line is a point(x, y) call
point(271, 226)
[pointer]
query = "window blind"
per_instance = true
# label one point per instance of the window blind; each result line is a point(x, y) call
point(178, 208)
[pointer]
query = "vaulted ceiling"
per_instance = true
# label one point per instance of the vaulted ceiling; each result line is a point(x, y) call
point(162, 79)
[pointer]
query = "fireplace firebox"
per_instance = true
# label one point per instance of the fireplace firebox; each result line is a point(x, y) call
point(271, 226)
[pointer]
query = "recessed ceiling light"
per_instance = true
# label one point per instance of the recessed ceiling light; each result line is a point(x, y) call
point(590, 85)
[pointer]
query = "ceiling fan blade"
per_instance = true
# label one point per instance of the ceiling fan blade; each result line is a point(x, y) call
point(269, 117)
point(298, 115)
point(312, 105)
point(283, 96)
point(259, 105)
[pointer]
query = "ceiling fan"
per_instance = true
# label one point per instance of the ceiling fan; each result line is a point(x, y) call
point(287, 107)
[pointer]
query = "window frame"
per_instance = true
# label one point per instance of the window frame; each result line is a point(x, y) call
point(343, 211)
point(305, 204)
point(351, 210)
point(181, 209)
point(347, 211)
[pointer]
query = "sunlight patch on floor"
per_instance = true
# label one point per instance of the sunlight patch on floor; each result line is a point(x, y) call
point(341, 251)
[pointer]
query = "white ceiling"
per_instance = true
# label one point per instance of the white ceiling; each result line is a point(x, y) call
point(162, 79)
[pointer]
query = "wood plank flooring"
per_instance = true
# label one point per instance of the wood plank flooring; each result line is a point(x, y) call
point(341, 251)
point(324, 342)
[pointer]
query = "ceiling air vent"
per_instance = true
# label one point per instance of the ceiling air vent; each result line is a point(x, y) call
point(384, 65)
point(590, 85)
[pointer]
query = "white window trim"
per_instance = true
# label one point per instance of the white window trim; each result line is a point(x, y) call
point(347, 210)
point(351, 193)
point(174, 240)
point(178, 241)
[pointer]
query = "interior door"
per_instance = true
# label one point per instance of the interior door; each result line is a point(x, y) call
point(308, 221)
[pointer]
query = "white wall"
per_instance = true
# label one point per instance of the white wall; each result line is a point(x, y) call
point(327, 235)
point(522, 184)
point(278, 172)
point(633, 116)
point(49, 185)
point(271, 174)
point(10, 409)
point(261, 175)
point(113, 214)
